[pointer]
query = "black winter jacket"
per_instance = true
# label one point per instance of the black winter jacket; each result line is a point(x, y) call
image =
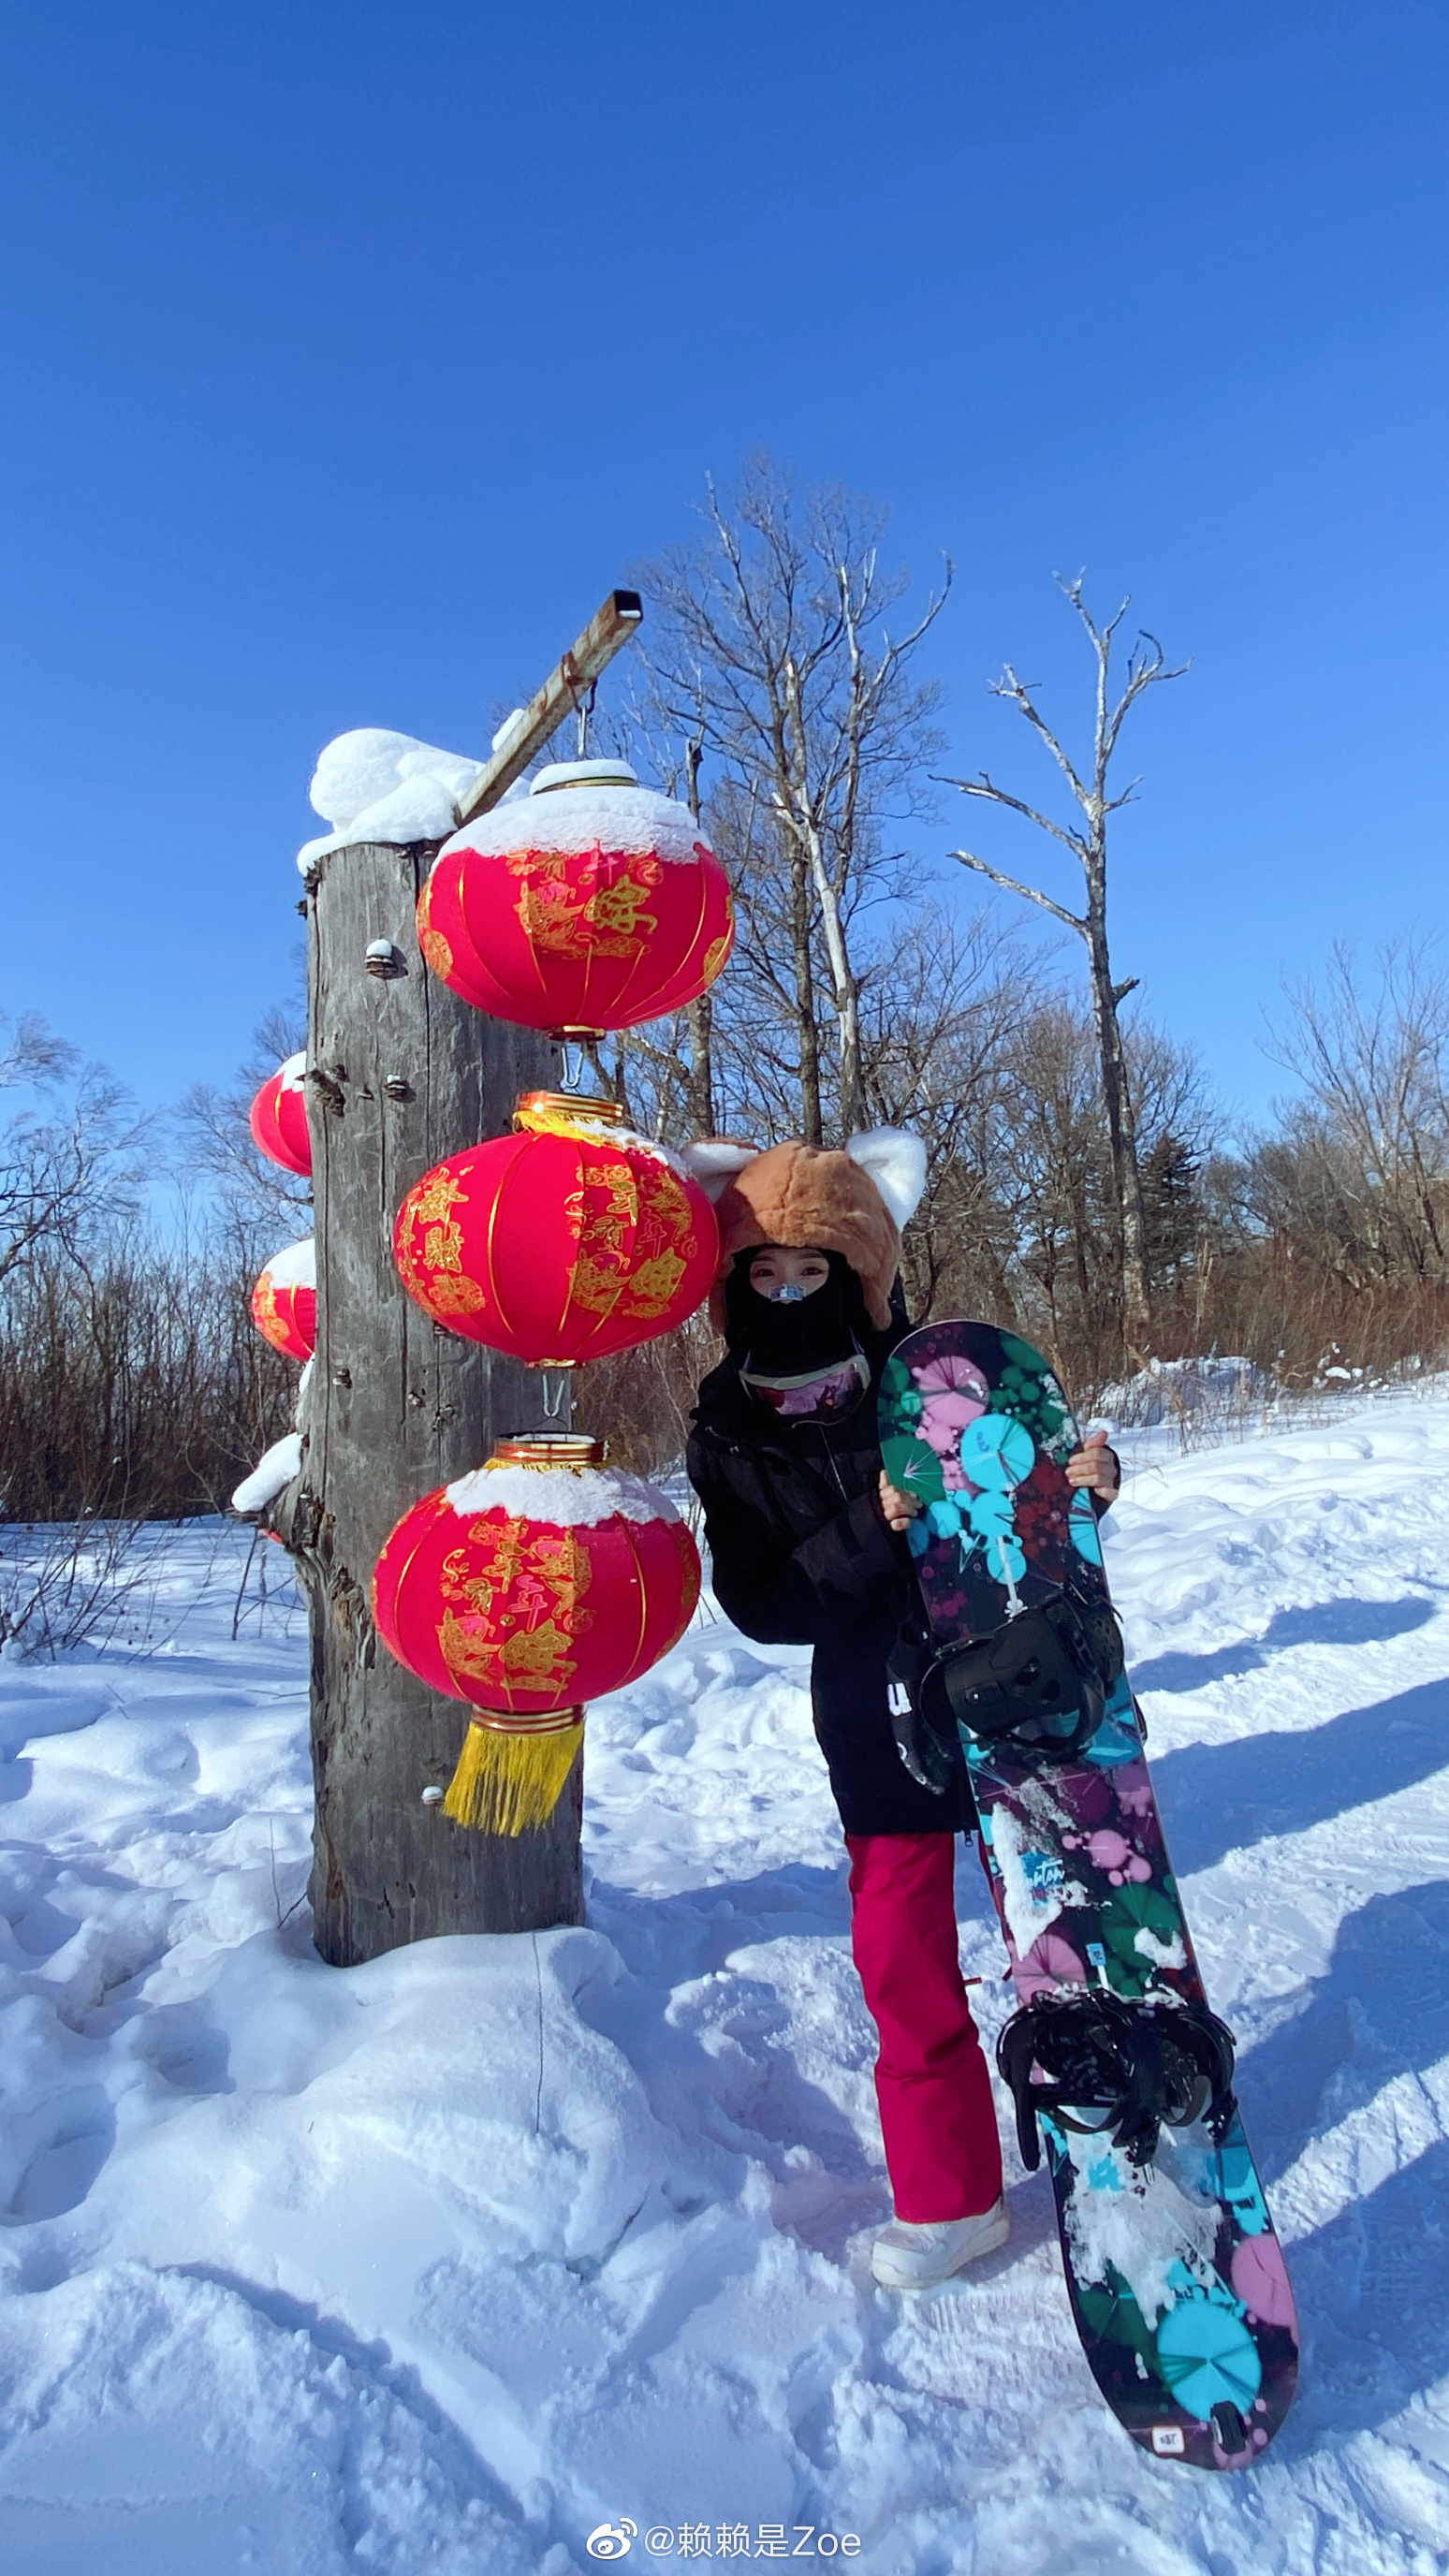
point(802, 1556)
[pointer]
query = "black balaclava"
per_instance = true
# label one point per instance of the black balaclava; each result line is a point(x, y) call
point(785, 1340)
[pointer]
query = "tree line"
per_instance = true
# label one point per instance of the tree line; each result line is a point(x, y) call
point(132, 1383)
point(1083, 1183)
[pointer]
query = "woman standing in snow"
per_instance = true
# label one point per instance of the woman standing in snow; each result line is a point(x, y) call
point(806, 1534)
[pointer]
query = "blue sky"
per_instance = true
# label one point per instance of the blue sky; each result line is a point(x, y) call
point(351, 354)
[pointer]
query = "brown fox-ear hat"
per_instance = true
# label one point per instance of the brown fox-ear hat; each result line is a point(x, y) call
point(853, 1202)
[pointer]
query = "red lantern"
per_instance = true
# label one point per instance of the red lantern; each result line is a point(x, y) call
point(284, 1301)
point(279, 1118)
point(560, 1243)
point(590, 904)
point(526, 1588)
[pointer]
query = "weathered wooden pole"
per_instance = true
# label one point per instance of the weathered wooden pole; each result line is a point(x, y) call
point(400, 1072)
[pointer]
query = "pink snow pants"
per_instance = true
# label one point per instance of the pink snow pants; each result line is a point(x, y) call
point(943, 2153)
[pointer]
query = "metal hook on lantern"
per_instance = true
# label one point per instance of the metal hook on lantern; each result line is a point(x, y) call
point(583, 709)
point(555, 1387)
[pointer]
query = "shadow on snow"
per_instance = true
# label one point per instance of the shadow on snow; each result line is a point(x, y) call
point(1219, 1798)
point(1350, 1622)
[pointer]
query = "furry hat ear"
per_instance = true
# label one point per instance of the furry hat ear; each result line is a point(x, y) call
point(714, 1161)
point(896, 1161)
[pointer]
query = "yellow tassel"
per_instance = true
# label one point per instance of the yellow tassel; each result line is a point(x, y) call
point(509, 1780)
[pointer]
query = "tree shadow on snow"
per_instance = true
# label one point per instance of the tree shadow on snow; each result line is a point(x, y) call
point(1321, 1624)
point(719, 2060)
point(1370, 2292)
point(1349, 1622)
point(693, 1932)
point(1381, 2010)
point(370, 2365)
point(1218, 1798)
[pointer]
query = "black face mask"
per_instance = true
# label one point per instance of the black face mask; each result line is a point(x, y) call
point(785, 1340)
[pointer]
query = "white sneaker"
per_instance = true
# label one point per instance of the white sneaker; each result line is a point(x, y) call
point(914, 2256)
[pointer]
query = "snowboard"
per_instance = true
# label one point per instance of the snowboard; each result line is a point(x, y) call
point(1176, 2278)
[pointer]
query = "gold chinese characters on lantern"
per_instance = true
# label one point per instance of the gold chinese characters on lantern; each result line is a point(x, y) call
point(566, 1241)
point(527, 1588)
point(592, 903)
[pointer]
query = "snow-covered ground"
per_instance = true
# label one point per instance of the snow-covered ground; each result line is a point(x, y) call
point(445, 2262)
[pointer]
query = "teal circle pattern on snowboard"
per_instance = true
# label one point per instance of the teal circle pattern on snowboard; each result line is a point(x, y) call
point(1206, 2355)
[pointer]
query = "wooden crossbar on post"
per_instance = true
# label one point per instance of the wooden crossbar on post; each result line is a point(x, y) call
point(567, 684)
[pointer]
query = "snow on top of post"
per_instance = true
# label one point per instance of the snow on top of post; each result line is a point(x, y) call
point(372, 785)
point(562, 1497)
point(273, 1471)
point(296, 1267)
point(581, 805)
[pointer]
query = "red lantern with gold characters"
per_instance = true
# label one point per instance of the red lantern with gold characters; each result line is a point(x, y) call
point(527, 1588)
point(278, 1118)
point(563, 1242)
point(284, 1301)
point(591, 903)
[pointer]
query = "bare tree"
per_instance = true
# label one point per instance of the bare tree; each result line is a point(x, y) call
point(771, 651)
point(940, 999)
point(215, 1140)
point(132, 1384)
point(1019, 1219)
point(699, 1114)
point(1146, 664)
point(1369, 1150)
point(72, 1161)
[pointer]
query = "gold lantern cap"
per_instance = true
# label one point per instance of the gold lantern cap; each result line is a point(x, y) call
point(544, 1109)
point(583, 773)
point(572, 1449)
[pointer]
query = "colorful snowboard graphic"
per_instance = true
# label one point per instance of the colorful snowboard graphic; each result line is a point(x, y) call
point(1176, 2279)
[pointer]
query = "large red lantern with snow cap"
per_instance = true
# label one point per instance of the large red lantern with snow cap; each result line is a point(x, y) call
point(278, 1118)
point(284, 1301)
point(564, 1242)
point(526, 1588)
point(591, 903)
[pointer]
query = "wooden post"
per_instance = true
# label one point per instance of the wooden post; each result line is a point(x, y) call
point(401, 1072)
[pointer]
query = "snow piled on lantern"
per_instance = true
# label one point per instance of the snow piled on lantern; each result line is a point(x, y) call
point(443, 2263)
point(583, 812)
point(569, 1114)
point(377, 786)
point(295, 1267)
point(561, 1497)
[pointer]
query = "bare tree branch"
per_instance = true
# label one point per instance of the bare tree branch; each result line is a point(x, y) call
point(987, 790)
point(1013, 885)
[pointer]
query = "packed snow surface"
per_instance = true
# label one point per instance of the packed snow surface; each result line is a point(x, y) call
point(446, 2262)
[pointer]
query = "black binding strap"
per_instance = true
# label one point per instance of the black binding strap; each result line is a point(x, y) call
point(1038, 1686)
point(1099, 2065)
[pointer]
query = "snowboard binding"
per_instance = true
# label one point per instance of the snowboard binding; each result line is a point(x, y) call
point(1100, 2066)
point(1037, 1688)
